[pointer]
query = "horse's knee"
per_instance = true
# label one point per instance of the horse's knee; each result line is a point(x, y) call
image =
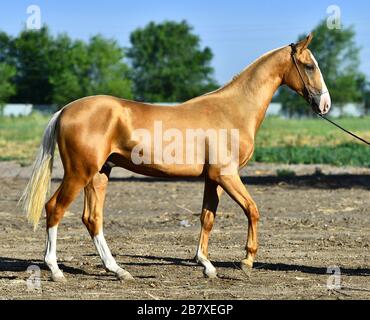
point(252, 212)
point(255, 215)
point(252, 248)
point(54, 217)
point(49, 207)
point(54, 213)
point(207, 219)
point(85, 220)
point(93, 224)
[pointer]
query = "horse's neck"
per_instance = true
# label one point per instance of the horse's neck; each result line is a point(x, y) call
point(253, 89)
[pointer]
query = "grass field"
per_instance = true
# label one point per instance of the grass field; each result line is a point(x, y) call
point(279, 140)
point(20, 137)
point(312, 141)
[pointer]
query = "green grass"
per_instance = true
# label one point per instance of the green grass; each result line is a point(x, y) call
point(277, 132)
point(313, 141)
point(308, 141)
point(347, 154)
point(20, 137)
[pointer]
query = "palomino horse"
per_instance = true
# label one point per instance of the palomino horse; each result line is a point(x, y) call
point(95, 134)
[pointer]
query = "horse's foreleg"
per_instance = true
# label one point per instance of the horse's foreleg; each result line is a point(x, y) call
point(93, 220)
point(55, 209)
point(212, 193)
point(236, 189)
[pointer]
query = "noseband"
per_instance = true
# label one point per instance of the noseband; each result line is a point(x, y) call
point(310, 95)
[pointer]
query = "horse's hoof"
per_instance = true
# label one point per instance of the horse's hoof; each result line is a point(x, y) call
point(58, 277)
point(246, 265)
point(210, 273)
point(124, 275)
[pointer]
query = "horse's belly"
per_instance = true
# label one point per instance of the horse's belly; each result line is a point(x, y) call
point(175, 170)
point(157, 169)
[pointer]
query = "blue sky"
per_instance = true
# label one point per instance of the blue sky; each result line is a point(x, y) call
point(237, 31)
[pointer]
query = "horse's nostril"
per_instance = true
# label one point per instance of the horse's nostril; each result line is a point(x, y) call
point(324, 110)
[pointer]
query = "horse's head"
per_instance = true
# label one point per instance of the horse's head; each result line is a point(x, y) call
point(304, 77)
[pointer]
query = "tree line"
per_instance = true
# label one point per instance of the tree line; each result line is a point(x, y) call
point(164, 63)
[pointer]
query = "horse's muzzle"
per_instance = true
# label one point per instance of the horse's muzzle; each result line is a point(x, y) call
point(321, 103)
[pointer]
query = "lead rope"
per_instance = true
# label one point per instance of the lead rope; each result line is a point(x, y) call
point(345, 130)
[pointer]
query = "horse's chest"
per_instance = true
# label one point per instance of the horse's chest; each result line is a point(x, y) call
point(245, 153)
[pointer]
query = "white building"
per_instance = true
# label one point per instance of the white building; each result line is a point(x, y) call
point(16, 110)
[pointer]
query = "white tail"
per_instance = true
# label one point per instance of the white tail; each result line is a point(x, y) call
point(34, 195)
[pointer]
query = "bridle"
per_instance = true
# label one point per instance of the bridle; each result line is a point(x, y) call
point(311, 96)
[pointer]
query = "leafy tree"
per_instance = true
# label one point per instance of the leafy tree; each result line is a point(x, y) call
point(292, 104)
point(31, 51)
point(7, 88)
point(107, 73)
point(6, 54)
point(7, 70)
point(57, 70)
point(338, 57)
point(168, 63)
point(81, 69)
point(67, 71)
point(366, 93)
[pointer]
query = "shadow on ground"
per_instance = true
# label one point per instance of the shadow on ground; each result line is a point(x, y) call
point(318, 181)
point(257, 265)
point(21, 265)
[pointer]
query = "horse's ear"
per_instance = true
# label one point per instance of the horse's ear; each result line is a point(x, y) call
point(303, 44)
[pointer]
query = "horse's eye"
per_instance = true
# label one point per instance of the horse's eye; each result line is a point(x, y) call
point(310, 67)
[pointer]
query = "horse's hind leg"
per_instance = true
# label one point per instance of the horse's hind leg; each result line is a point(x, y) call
point(93, 220)
point(55, 209)
point(212, 193)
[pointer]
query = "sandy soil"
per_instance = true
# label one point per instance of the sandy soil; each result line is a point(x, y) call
point(308, 223)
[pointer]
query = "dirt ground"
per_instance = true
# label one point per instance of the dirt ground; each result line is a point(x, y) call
point(315, 220)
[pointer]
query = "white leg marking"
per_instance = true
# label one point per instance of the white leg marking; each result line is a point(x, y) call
point(209, 269)
point(51, 254)
point(108, 261)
